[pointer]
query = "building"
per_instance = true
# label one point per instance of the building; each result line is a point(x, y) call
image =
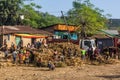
point(106, 38)
point(62, 31)
point(25, 33)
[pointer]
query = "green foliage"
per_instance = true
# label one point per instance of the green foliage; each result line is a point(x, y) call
point(31, 16)
point(8, 11)
point(48, 20)
point(84, 14)
point(38, 19)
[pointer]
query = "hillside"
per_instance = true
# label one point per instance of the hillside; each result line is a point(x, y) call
point(113, 23)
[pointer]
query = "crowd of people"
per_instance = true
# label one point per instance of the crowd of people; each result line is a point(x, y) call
point(20, 53)
point(106, 53)
point(26, 55)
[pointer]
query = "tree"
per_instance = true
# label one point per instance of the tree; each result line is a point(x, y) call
point(9, 11)
point(31, 15)
point(86, 17)
point(36, 18)
point(48, 20)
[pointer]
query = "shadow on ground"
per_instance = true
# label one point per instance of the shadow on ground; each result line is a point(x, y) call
point(110, 76)
point(37, 69)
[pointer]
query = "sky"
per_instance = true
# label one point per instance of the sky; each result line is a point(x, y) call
point(55, 7)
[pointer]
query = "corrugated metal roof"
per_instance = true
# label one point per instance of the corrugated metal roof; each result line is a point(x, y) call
point(113, 32)
point(22, 29)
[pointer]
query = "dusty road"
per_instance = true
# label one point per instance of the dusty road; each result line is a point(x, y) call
point(88, 72)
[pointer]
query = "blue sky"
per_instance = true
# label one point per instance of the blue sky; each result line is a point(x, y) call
point(56, 6)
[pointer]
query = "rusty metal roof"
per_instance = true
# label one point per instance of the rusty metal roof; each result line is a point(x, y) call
point(22, 29)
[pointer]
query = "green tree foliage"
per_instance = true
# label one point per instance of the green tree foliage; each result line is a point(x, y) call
point(38, 19)
point(8, 11)
point(31, 15)
point(86, 16)
point(48, 20)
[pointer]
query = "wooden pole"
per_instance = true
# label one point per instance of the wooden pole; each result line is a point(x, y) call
point(66, 25)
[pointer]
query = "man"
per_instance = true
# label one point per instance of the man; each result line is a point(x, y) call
point(83, 52)
point(90, 53)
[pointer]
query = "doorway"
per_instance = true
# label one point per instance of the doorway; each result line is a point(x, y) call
point(33, 40)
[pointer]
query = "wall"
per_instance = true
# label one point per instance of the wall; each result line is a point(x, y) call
point(26, 41)
point(104, 42)
point(29, 40)
point(65, 35)
point(74, 36)
point(9, 38)
point(12, 38)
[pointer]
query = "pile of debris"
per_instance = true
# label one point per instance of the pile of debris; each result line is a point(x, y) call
point(47, 54)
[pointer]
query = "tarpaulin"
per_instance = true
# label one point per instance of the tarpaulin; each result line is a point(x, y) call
point(31, 36)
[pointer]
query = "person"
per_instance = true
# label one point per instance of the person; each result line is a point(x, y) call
point(90, 53)
point(35, 44)
point(21, 43)
point(5, 42)
point(6, 52)
point(83, 52)
point(115, 53)
point(69, 52)
point(27, 57)
point(96, 52)
point(20, 55)
point(12, 44)
point(14, 55)
point(38, 44)
point(12, 48)
point(75, 53)
point(51, 66)
point(45, 43)
point(28, 45)
point(62, 57)
point(111, 52)
point(31, 56)
point(106, 52)
point(55, 55)
point(63, 51)
point(32, 46)
point(118, 53)
point(39, 62)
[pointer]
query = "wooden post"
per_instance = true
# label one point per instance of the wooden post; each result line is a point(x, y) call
point(66, 26)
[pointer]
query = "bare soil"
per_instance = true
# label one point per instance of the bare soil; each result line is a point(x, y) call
point(86, 72)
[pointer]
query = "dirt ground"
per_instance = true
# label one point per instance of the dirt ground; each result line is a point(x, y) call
point(86, 72)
